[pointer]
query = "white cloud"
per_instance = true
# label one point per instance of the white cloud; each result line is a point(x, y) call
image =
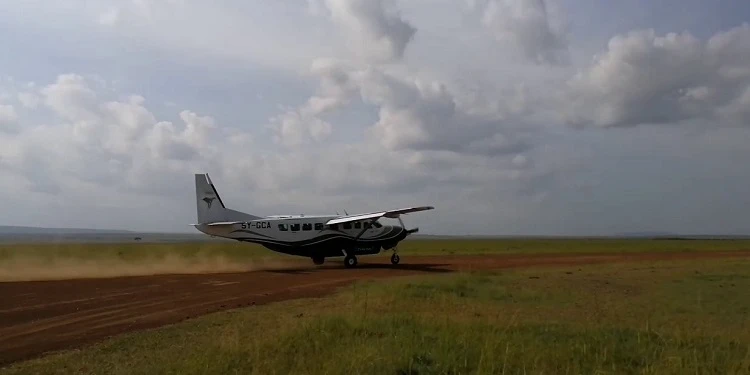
point(644, 78)
point(109, 17)
point(426, 115)
point(297, 126)
point(8, 117)
point(412, 113)
point(120, 148)
point(72, 99)
point(28, 100)
point(109, 142)
point(377, 29)
point(535, 27)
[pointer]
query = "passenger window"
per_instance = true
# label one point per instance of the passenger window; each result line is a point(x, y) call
point(347, 225)
point(318, 226)
point(283, 227)
point(334, 227)
point(294, 227)
point(306, 226)
point(358, 225)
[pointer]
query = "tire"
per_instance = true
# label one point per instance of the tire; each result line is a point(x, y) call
point(350, 261)
point(318, 260)
point(395, 259)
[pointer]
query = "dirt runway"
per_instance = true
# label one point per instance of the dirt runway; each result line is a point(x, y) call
point(42, 316)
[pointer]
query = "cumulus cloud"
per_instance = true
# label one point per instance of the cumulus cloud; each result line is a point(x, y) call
point(425, 133)
point(298, 126)
point(532, 26)
point(97, 144)
point(117, 143)
point(8, 117)
point(426, 115)
point(378, 31)
point(109, 17)
point(28, 100)
point(644, 78)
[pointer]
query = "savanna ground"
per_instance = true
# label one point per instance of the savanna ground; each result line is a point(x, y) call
point(673, 314)
point(20, 262)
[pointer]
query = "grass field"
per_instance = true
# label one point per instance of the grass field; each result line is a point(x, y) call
point(61, 260)
point(134, 251)
point(661, 318)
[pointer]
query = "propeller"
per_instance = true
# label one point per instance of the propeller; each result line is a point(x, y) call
point(408, 231)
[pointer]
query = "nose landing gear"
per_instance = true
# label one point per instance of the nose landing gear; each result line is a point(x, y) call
point(395, 259)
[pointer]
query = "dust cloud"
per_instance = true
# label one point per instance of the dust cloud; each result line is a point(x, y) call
point(28, 268)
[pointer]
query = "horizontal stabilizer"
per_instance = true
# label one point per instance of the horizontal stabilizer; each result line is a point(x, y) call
point(224, 223)
point(220, 223)
point(392, 214)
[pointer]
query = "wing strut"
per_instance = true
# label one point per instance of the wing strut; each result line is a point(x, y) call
point(365, 226)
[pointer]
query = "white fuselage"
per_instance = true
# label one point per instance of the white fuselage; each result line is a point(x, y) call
point(308, 235)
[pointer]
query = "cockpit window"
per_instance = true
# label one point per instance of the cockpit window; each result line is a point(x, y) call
point(376, 224)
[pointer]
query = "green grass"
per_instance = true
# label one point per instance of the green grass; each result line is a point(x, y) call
point(243, 251)
point(635, 318)
point(64, 260)
point(133, 252)
point(552, 246)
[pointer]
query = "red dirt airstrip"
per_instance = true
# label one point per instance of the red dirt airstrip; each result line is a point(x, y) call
point(41, 316)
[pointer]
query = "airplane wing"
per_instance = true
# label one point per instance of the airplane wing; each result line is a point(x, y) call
point(392, 214)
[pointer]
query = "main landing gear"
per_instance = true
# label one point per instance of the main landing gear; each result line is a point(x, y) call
point(350, 261)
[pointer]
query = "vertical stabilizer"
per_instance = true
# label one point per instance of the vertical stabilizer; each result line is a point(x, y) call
point(210, 207)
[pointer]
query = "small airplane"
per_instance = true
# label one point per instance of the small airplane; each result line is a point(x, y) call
point(317, 237)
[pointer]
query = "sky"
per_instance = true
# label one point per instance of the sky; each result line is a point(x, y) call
point(510, 117)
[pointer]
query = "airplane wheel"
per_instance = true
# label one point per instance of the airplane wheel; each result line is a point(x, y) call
point(318, 260)
point(350, 261)
point(395, 259)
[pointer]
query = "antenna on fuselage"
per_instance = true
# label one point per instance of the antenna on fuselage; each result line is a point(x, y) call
point(346, 213)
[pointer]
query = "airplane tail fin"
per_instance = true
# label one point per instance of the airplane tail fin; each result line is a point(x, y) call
point(210, 207)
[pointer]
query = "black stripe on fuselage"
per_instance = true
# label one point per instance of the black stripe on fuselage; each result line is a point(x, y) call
point(249, 231)
point(391, 235)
